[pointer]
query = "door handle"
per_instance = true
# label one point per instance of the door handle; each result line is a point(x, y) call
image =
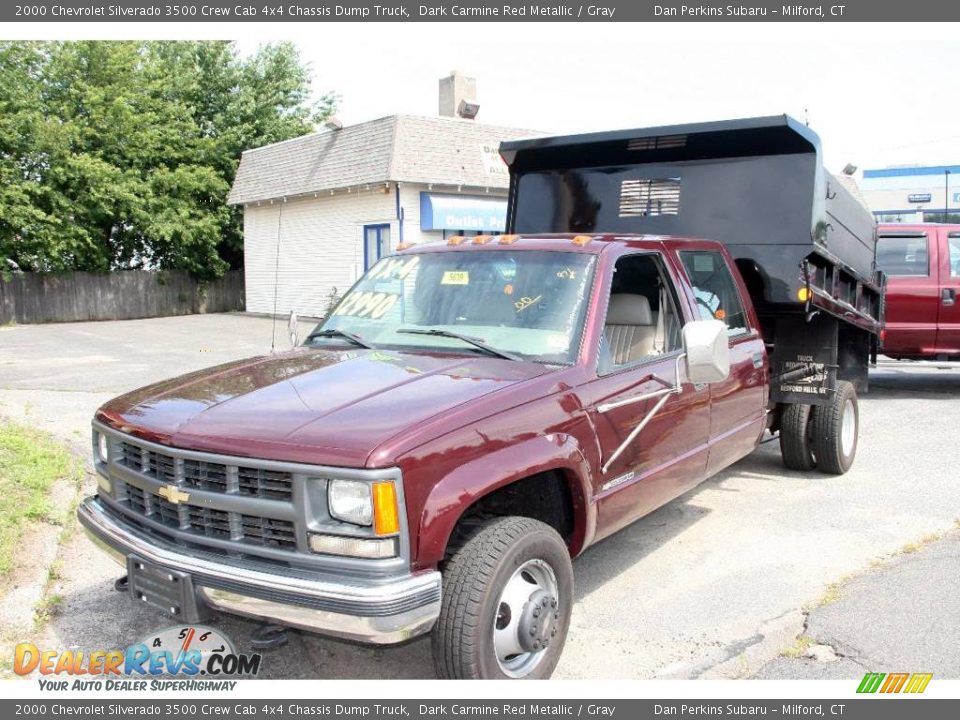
point(948, 296)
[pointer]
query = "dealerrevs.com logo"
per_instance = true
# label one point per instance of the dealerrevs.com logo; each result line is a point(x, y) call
point(191, 657)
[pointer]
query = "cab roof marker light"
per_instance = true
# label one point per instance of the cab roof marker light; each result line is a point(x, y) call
point(482, 239)
point(406, 245)
point(508, 239)
point(455, 240)
point(581, 239)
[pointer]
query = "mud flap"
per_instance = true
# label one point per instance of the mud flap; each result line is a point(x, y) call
point(804, 361)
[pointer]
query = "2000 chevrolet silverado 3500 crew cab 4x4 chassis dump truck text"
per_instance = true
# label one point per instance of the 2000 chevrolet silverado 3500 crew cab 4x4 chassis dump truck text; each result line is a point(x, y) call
point(475, 413)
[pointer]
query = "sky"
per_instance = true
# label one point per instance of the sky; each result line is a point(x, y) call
point(878, 94)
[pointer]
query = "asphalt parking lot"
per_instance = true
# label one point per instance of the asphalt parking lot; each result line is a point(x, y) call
point(711, 585)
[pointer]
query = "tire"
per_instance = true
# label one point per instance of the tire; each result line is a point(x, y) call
point(796, 445)
point(835, 430)
point(494, 564)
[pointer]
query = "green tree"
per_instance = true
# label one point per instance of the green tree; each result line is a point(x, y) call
point(121, 154)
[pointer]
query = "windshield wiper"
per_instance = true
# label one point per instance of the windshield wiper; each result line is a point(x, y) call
point(476, 342)
point(334, 332)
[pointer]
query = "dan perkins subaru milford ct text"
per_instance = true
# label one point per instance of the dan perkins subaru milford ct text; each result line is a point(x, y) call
point(785, 11)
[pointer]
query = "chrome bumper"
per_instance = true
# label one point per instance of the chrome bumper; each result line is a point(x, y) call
point(378, 611)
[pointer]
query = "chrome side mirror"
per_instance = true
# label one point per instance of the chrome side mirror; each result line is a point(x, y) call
point(707, 351)
point(293, 329)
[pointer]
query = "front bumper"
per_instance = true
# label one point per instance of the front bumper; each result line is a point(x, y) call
point(378, 611)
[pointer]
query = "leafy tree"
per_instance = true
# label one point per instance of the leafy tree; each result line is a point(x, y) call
point(121, 154)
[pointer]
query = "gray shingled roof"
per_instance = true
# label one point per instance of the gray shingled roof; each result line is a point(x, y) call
point(398, 148)
point(853, 188)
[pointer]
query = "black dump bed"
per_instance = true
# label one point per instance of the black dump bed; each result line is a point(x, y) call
point(757, 185)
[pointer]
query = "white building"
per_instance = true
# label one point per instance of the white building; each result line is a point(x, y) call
point(913, 194)
point(321, 209)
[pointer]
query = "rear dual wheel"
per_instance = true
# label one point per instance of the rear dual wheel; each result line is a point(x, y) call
point(835, 429)
point(822, 436)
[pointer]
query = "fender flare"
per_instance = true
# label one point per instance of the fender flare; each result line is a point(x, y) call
point(450, 497)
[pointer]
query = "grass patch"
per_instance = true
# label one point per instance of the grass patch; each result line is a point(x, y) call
point(913, 547)
point(46, 609)
point(832, 593)
point(799, 647)
point(30, 463)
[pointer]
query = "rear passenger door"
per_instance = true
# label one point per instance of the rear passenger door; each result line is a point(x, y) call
point(948, 318)
point(910, 259)
point(737, 404)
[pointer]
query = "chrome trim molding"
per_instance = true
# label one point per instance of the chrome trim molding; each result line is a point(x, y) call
point(381, 611)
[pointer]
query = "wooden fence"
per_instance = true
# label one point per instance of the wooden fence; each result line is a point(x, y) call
point(78, 296)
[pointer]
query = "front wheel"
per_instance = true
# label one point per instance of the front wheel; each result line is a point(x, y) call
point(507, 596)
point(835, 429)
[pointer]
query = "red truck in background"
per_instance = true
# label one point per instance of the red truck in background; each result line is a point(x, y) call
point(476, 413)
point(922, 265)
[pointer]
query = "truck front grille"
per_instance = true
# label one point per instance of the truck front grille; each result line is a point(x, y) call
point(210, 476)
point(209, 522)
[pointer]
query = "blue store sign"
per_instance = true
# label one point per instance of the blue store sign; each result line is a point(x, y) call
point(458, 212)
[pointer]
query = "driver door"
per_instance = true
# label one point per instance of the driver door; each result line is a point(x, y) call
point(669, 455)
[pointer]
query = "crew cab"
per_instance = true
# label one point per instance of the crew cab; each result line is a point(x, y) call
point(922, 265)
point(472, 416)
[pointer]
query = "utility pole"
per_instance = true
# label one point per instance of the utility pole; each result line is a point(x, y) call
point(946, 195)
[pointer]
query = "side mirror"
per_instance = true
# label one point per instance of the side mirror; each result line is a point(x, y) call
point(708, 353)
point(293, 329)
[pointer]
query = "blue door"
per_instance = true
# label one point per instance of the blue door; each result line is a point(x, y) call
point(376, 244)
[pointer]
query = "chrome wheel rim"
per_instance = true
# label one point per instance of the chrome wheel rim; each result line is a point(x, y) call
point(526, 618)
point(848, 428)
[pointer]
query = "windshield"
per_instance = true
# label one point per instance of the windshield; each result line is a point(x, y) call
point(523, 303)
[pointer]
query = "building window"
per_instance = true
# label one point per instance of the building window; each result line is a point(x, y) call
point(376, 244)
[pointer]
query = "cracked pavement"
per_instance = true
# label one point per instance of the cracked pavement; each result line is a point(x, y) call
point(711, 585)
point(903, 616)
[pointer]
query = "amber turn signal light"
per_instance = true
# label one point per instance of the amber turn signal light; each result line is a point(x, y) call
point(803, 294)
point(386, 517)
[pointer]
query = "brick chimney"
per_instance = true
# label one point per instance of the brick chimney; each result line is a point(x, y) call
point(454, 90)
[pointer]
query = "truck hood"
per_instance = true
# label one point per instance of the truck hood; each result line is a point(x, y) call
point(312, 406)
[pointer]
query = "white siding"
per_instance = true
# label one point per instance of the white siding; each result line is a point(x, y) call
point(321, 244)
point(321, 247)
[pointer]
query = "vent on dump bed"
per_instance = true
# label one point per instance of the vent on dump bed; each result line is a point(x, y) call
point(661, 142)
point(645, 198)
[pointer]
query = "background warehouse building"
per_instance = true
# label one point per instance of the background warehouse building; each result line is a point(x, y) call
point(320, 209)
point(913, 194)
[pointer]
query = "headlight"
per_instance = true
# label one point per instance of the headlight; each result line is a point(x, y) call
point(101, 447)
point(350, 501)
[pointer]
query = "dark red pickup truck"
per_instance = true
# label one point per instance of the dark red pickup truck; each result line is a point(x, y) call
point(476, 413)
point(922, 265)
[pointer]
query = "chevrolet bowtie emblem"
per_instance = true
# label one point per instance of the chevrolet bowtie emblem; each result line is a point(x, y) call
point(171, 493)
